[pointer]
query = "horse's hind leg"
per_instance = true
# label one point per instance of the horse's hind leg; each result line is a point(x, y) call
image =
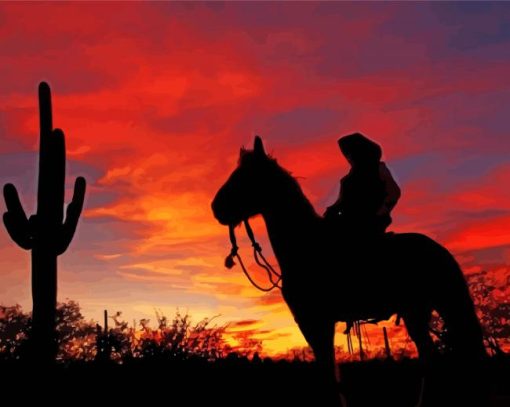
point(464, 331)
point(465, 338)
point(417, 324)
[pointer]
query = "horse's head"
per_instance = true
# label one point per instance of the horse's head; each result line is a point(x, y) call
point(242, 195)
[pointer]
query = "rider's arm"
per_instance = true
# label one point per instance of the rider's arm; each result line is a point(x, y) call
point(391, 188)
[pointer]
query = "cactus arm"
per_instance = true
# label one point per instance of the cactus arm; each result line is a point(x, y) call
point(51, 183)
point(57, 158)
point(72, 215)
point(15, 220)
point(51, 189)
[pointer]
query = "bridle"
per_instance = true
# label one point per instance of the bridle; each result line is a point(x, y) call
point(273, 276)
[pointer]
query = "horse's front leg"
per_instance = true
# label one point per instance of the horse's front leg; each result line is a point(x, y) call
point(320, 335)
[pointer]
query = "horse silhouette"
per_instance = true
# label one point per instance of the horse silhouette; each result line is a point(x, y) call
point(325, 280)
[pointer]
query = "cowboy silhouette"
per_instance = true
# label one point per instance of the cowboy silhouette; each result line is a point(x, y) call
point(368, 193)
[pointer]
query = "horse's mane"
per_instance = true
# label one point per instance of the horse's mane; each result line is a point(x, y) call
point(288, 182)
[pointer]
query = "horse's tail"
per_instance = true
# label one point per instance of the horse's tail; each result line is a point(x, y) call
point(456, 307)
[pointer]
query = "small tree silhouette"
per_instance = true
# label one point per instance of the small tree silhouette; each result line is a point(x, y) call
point(493, 309)
point(14, 326)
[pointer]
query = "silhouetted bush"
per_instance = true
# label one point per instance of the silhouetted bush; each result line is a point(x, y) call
point(78, 339)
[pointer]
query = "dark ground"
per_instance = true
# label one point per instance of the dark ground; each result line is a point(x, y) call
point(237, 382)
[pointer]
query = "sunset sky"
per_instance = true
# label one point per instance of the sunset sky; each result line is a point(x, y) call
point(156, 99)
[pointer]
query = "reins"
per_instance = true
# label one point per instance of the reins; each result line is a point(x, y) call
point(273, 276)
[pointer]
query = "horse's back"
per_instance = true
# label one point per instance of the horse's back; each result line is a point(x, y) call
point(417, 256)
point(378, 278)
point(399, 270)
point(421, 252)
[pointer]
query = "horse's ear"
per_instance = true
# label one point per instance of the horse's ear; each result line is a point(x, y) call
point(258, 146)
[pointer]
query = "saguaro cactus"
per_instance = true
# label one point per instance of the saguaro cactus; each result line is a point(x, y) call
point(46, 233)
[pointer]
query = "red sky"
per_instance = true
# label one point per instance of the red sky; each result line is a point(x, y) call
point(156, 99)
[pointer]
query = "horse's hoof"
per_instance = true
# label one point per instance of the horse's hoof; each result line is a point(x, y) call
point(340, 391)
point(422, 392)
point(343, 400)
